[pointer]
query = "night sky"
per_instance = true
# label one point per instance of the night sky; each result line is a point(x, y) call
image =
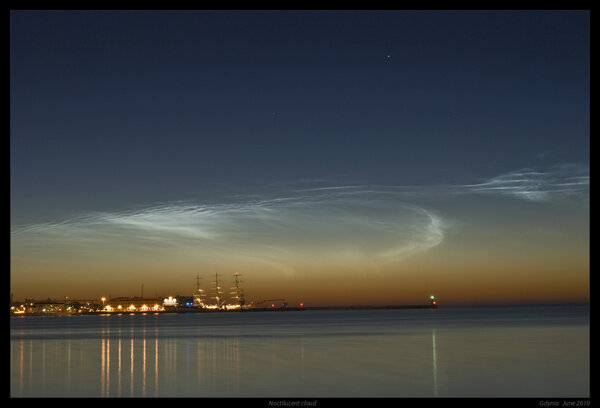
point(363, 157)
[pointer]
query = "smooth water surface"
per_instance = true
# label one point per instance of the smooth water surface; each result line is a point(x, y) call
point(533, 351)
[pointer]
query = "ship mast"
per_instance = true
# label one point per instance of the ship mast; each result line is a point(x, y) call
point(238, 294)
point(199, 295)
point(217, 296)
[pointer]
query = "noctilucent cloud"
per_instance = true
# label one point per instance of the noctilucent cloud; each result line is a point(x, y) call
point(333, 157)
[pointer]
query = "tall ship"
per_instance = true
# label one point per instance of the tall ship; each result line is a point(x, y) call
point(218, 299)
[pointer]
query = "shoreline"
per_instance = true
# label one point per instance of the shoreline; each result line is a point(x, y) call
point(251, 310)
point(296, 309)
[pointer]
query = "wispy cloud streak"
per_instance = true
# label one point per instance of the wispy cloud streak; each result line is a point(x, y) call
point(288, 228)
point(537, 185)
point(281, 229)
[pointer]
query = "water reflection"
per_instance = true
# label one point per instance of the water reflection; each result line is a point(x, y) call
point(302, 357)
point(144, 364)
point(154, 365)
point(44, 367)
point(103, 367)
point(119, 367)
point(114, 365)
point(131, 360)
point(435, 388)
point(25, 363)
point(200, 356)
point(217, 365)
point(69, 364)
point(21, 368)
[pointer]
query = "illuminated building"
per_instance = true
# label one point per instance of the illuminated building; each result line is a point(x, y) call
point(170, 302)
point(133, 304)
point(50, 306)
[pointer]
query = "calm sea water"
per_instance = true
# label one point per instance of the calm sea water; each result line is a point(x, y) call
point(534, 351)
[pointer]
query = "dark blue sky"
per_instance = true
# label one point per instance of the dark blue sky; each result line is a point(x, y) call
point(113, 109)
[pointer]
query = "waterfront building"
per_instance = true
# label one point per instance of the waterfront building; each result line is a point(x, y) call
point(133, 304)
point(49, 306)
point(185, 301)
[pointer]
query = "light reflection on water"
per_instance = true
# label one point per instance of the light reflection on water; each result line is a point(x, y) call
point(435, 388)
point(398, 353)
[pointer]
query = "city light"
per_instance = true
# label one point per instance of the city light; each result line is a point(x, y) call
point(135, 305)
point(170, 301)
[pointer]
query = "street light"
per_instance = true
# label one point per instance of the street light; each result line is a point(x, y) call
point(103, 300)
